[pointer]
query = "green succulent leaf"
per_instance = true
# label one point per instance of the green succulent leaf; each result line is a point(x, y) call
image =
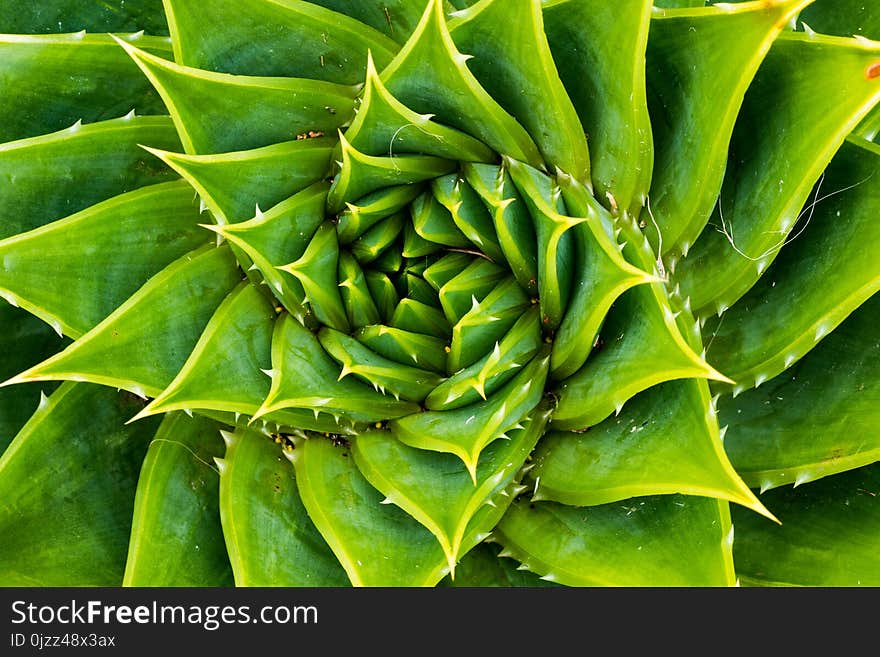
point(141, 356)
point(646, 323)
point(232, 185)
point(666, 440)
point(409, 383)
point(54, 81)
point(362, 174)
point(484, 377)
point(484, 567)
point(828, 536)
point(281, 235)
point(270, 538)
point(632, 357)
point(370, 539)
point(316, 270)
point(385, 126)
point(357, 297)
point(512, 61)
point(514, 229)
point(817, 419)
point(663, 540)
point(305, 376)
point(419, 317)
point(408, 478)
point(87, 165)
point(66, 520)
point(470, 278)
point(50, 16)
point(681, 4)
point(599, 51)
point(359, 217)
point(25, 341)
point(469, 214)
point(816, 280)
point(220, 112)
point(395, 18)
point(601, 275)
point(129, 238)
point(555, 239)
point(482, 288)
point(847, 18)
point(700, 65)
point(869, 128)
point(176, 538)
point(430, 75)
point(433, 222)
point(843, 18)
point(485, 324)
point(778, 152)
point(274, 39)
point(223, 371)
point(405, 347)
point(467, 431)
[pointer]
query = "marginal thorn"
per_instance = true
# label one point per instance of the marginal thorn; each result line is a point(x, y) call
point(228, 438)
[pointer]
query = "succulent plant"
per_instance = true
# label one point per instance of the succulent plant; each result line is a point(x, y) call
point(419, 293)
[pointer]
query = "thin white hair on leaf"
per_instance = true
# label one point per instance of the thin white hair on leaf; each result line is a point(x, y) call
point(727, 229)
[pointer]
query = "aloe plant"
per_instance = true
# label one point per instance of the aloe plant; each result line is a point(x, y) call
point(429, 293)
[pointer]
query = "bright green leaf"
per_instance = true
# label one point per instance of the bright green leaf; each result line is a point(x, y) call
point(269, 537)
point(51, 82)
point(665, 540)
point(175, 536)
point(377, 544)
point(142, 345)
point(128, 238)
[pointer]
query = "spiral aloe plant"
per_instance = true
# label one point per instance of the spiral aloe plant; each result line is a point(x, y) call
point(417, 293)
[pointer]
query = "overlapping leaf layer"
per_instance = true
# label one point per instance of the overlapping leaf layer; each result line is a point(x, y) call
point(418, 293)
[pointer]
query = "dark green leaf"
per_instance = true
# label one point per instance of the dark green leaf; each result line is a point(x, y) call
point(808, 95)
point(24, 341)
point(599, 50)
point(829, 536)
point(700, 64)
point(49, 16)
point(817, 280)
point(68, 483)
point(817, 418)
point(511, 59)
